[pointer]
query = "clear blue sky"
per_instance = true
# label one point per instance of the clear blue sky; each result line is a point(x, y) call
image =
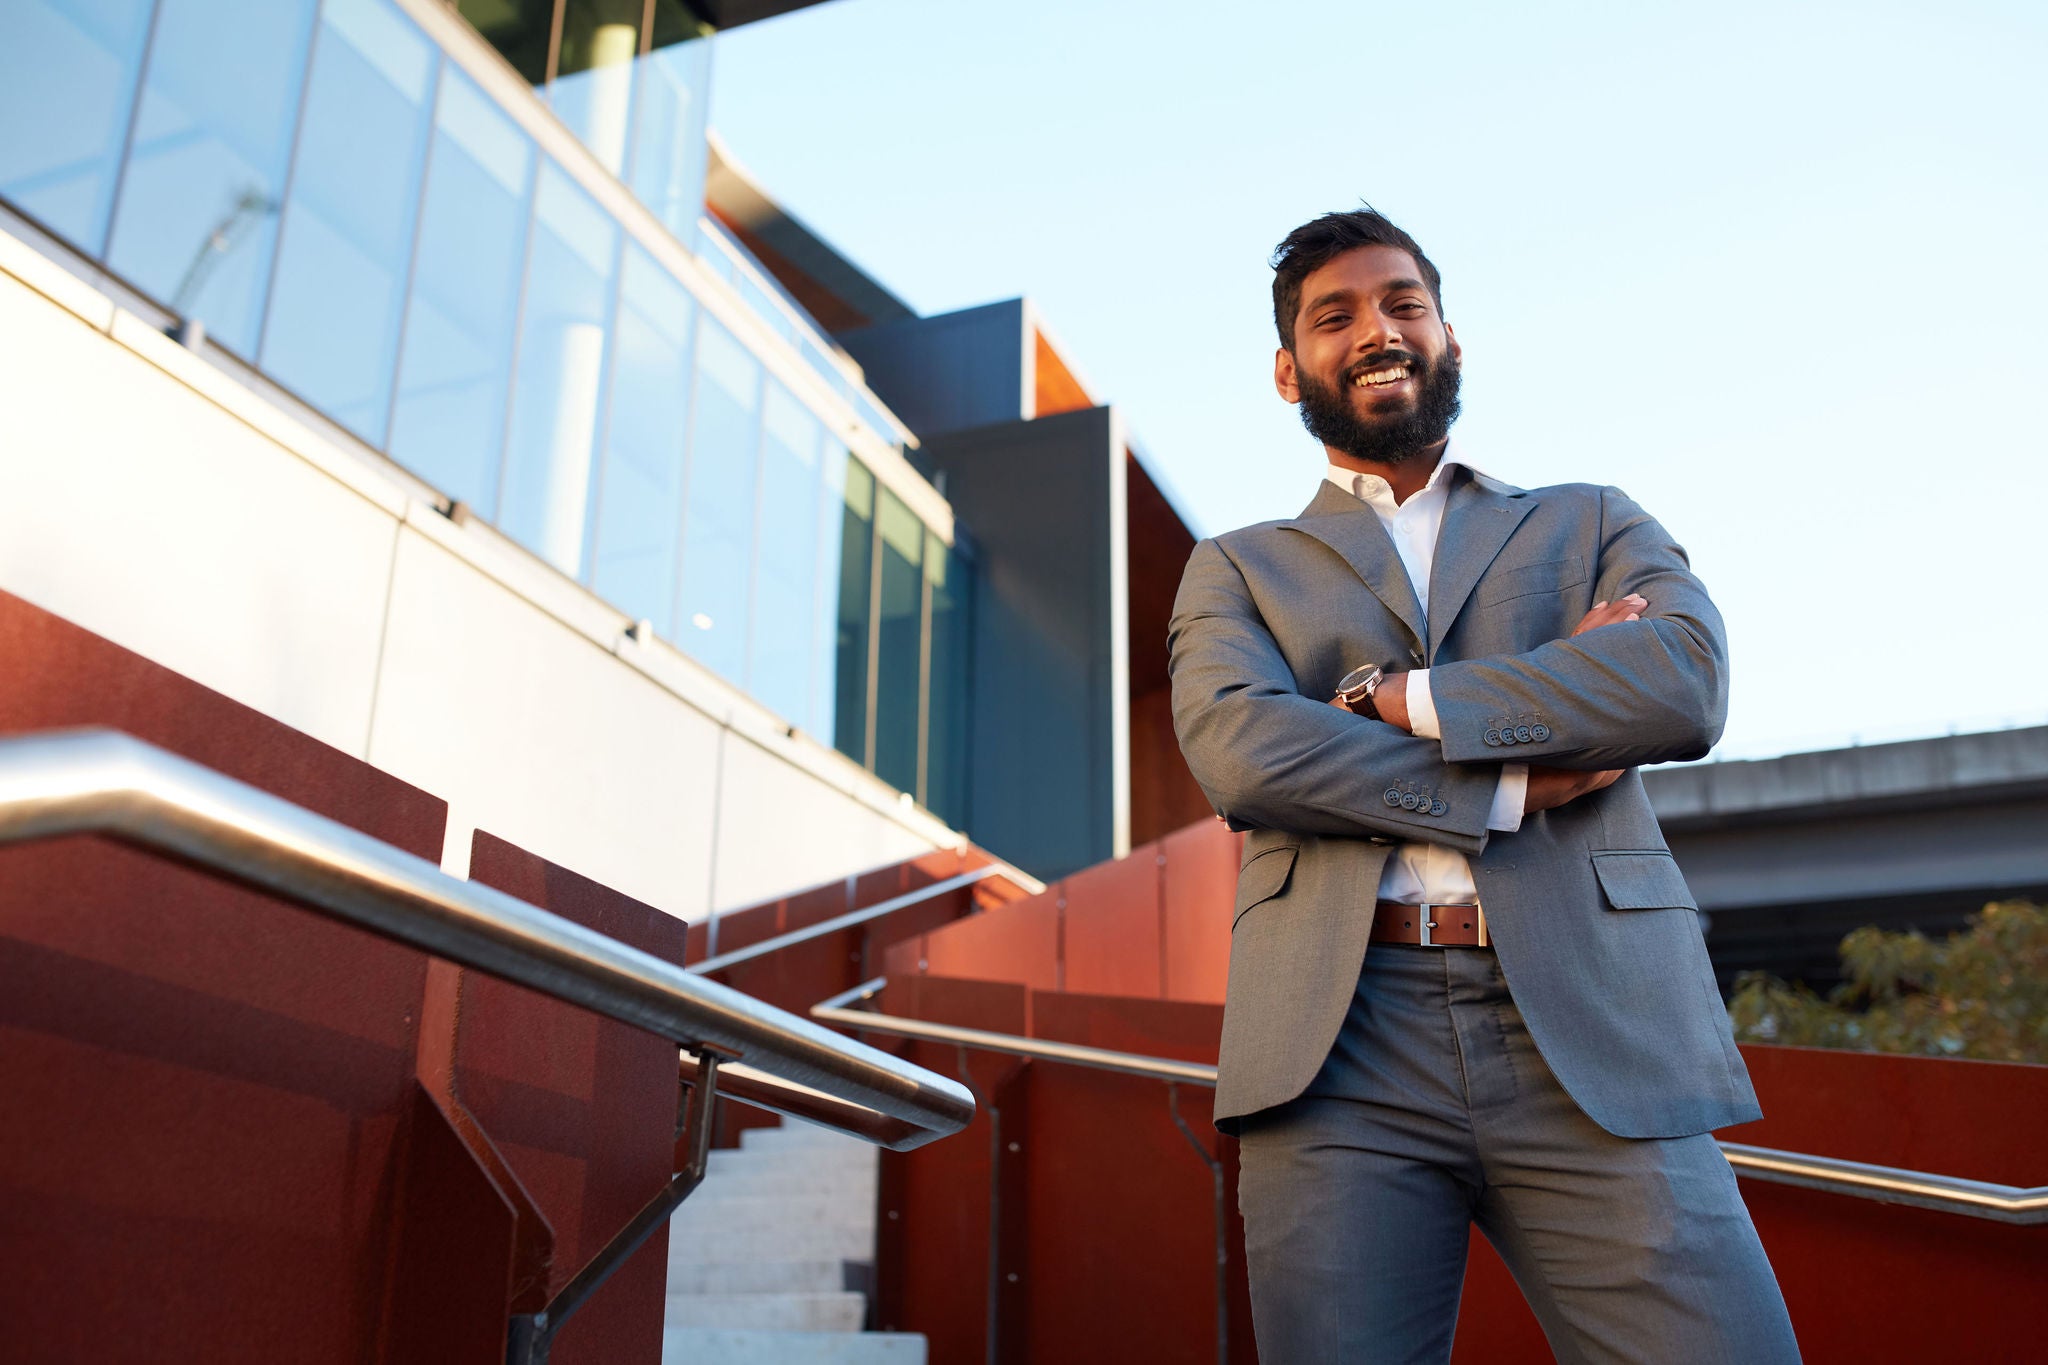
point(1779, 270)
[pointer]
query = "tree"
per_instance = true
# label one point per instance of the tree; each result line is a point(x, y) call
point(1982, 993)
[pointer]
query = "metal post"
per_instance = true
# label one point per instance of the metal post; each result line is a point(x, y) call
point(532, 1337)
point(992, 1318)
point(1215, 1165)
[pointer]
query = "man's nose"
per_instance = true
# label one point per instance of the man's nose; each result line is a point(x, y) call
point(1375, 334)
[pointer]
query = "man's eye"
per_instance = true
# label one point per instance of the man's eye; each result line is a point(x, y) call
point(1334, 318)
point(1409, 309)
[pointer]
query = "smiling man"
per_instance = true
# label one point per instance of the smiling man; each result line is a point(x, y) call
point(1467, 982)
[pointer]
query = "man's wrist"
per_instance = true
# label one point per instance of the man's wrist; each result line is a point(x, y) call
point(1390, 699)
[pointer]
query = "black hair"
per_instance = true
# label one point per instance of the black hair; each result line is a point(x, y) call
point(1315, 244)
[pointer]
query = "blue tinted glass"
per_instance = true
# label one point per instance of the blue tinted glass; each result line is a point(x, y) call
point(762, 300)
point(560, 372)
point(640, 499)
point(347, 234)
point(593, 87)
point(946, 570)
point(824, 713)
point(198, 211)
point(67, 82)
point(669, 149)
point(718, 534)
point(853, 622)
point(899, 624)
point(456, 363)
point(783, 665)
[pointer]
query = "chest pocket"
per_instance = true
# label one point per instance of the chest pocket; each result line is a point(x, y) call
point(1646, 880)
point(1531, 580)
point(1263, 878)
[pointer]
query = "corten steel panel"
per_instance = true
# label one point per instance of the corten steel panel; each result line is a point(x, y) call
point(1186, 1031)
point(583, 1109)
point(1111, 945)
point(1164, 795)
point(1199, 885)
point(1018, 943)
point(207, 1089)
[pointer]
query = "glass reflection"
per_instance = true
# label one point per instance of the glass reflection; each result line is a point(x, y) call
point(521, 30)
point(592, 91)
point(669, 147)
point(197, 216)
point(719, 534)
point(560, 372)
point(347, 235)
point(946, 571)
point(448, 425)
point(640, 506)
point(781, 670)
point(856, 595)
point(822, 717)
point(899, 622)
point(67, 83)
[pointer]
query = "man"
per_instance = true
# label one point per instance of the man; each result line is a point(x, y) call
point(1467, 982)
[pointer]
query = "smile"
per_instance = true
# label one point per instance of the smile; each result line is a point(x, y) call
point(1379, 379)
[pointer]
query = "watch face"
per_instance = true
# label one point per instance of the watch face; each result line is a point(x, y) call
point(1356, 679)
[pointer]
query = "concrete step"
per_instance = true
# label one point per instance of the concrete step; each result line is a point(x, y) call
point(831, 1312)
point(721, 1346)
point(804, 1136)
point(711, 1211)
point(816, 1276)
point(757, 1239)
point(779, 1174)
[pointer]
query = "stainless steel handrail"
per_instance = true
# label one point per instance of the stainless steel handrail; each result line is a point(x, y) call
point(106, 783)
point(1884, 1184)
point(852, 918)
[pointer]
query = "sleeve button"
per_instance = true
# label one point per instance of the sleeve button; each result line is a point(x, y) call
point(1540, 732)
point(1409, 800)
point(1524, 735)
point(1437, 807)
point(1493, 738)
point(1391, 797)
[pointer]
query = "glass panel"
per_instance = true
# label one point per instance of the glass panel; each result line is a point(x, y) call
point(347, 235)
point(856, 579)
point(781, 668)
point(593, 87)
point(198, 211)
point(519, 29)
point(718, 533)
point(67, 83)
point(945, 771)
point(899, 623)
point(822, 718)
point(640, 507)
point(669, 149)
point(560, 372)
point(449, 426)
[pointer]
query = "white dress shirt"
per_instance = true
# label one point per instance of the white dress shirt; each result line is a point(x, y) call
point(1420, 873)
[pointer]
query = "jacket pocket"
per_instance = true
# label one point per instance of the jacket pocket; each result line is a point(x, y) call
point(1550, 576)
point(1263, 878)
point(1646, 879)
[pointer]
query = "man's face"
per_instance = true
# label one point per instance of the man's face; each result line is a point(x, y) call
point(1374, 368)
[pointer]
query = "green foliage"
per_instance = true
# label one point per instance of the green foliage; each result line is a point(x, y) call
point(1982, 993)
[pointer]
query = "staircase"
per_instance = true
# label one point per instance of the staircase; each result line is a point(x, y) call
point(768, 1258)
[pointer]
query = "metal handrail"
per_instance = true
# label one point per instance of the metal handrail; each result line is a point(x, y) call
point(106, 783)
point(879, 910)
point(1862, 1180)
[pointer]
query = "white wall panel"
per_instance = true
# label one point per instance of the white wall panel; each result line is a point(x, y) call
point(780, 830)
point(136, 508)
point(532, 732)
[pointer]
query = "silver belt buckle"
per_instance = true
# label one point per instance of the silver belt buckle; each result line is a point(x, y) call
point(1425, 924)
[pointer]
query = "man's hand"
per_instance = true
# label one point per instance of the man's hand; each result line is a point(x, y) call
point(1629, 608)
point(1550, 788)
point(1389, 699)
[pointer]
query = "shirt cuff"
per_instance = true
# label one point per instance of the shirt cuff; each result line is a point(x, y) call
point(1509, 798)
point(1421, 707)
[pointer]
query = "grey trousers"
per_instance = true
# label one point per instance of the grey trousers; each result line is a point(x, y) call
point(1435, 1112)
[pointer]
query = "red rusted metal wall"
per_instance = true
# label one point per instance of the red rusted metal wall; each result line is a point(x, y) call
point(232, 1130)
point(1108, 1195)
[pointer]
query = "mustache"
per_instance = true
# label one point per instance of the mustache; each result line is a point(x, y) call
point(1384, 358)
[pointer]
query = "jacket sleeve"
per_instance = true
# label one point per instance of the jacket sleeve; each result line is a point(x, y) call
point(1648, 691)
point(1270, 758)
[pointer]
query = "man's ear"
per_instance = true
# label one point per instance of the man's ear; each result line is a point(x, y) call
point(1457, 351)
point(1284, 380)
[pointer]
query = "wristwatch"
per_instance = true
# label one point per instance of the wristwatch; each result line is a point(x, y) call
point(1354, 693)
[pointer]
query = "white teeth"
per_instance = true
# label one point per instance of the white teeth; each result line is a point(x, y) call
point(1381, 377)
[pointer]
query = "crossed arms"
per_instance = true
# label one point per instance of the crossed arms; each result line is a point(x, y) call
point(1619, 692)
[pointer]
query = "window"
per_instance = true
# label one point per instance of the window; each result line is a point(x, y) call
point(718, 535)
point(948, 575)
point(669, 150)
point(781, 667)
point(899, 627)
point(856, 595)
point(592, 91)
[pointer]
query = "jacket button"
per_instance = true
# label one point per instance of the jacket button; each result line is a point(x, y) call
point(1507, 736)
point(1493, 738)
point(1391, 797)
point(1437, 807)
point(1409, 800)
point(1541, 732)
point(1524, 735)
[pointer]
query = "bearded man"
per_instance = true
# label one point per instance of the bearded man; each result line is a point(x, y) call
point(1468, 984)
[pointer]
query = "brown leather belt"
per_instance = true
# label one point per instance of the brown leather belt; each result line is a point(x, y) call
point(1430, 926)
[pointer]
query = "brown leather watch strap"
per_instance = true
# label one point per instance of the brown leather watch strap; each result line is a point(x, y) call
point(1449, 926)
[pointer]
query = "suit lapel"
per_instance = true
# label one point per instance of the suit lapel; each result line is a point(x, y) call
point(1353, 530)
point(1479, 516)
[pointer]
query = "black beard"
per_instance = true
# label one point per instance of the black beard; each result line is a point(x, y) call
point(1330, 418)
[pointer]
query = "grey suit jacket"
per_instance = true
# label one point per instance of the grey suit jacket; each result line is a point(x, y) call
point(1596, 932)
